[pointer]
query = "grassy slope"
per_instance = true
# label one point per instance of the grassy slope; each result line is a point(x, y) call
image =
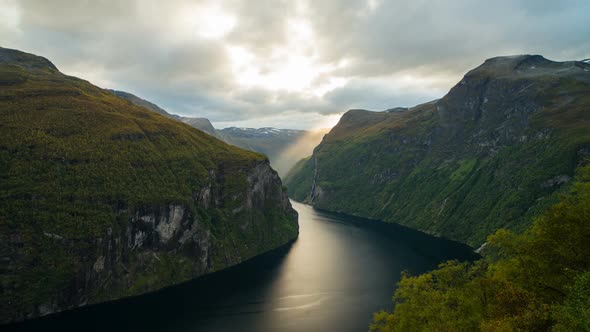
point(74, 158)
point(431, 171)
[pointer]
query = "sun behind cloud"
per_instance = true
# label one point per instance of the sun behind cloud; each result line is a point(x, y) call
point(206, 21)
point(292, 67)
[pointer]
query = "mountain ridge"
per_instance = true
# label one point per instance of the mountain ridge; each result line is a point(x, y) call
point(202, 124)
point(272, 142)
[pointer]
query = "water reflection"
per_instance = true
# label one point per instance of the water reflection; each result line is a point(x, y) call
point(339, 271)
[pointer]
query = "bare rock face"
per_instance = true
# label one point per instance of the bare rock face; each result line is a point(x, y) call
point(161, 246)
point(556, 181)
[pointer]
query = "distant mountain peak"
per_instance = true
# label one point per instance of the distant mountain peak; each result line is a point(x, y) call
point(25, 60)
point(396, 109)
point(142, 102)
point(516, 58)
point(260, 132)
point(203, 124)
point(526, 65)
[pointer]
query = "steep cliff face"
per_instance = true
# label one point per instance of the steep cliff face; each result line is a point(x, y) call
point(103, 199)
point(489, 154)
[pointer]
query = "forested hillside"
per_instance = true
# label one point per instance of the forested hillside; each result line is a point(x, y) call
point(535, 281)
point(101, 199)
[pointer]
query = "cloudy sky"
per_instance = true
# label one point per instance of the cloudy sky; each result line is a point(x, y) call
point(290, 64)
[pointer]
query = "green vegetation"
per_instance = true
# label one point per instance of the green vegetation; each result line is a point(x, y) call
point(302, 175)
point(82, 173)
point(535, 281)
point(464, 169)
point(489, 155)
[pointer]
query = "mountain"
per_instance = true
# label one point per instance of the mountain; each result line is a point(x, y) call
point(102, 199)
point(492, 153)
point(282, 146)
point(143, 103)
point(202, 124)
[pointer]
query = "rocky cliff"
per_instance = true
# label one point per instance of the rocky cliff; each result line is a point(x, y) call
point(103, 199)
point(490, 154)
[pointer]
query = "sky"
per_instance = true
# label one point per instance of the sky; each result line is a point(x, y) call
point(288, 64)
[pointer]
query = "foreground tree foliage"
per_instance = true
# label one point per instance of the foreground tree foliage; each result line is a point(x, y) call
point(535, 281)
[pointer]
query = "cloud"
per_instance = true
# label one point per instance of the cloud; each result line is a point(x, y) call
point(381, 94)
point(287, 63)
point(451, 36)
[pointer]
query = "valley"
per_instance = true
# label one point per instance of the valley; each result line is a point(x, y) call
point(291, 289)
point(265, 166)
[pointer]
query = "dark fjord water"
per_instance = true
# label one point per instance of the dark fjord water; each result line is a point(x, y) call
point(339, 271)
